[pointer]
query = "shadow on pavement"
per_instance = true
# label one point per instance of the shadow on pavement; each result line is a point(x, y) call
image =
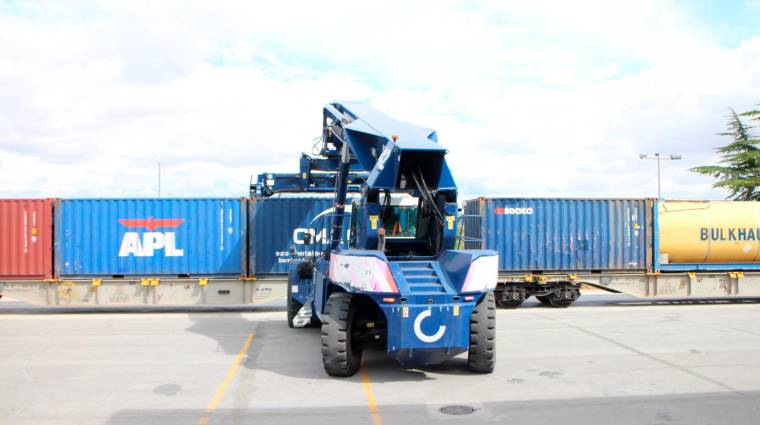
point(297, 352)
point(692, 409)
point(16, 307)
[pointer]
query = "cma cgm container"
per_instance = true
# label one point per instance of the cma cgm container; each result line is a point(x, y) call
point(278, 225)
point(203, 237)
point(561, 234)
point(26, 238)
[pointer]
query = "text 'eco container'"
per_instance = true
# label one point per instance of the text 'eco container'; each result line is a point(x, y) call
point(26, 238)
point(278, 225)
point(549, 234)
point(150, 237)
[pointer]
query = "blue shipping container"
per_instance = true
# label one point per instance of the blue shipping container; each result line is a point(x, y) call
point(204, 237)
point(278, 225)
point(546, 234)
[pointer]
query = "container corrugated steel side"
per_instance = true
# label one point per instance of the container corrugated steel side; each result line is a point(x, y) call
point(26, 238)
point(201, 237)
point(562, 234)
point(278, 224)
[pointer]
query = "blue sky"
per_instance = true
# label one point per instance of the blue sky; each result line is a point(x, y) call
point(728, 22)
point(531, 98)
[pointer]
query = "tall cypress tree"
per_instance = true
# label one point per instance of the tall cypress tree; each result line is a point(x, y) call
point(740, 159)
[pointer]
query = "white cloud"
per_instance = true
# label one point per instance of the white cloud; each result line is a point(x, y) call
point(539, 98)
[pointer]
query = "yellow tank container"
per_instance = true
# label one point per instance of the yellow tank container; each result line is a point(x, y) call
point(709, 232)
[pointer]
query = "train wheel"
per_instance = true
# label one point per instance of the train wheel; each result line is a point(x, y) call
point(509, 303)
point(340, 357)
point(564, 303)
point(510, 296)
point(562, 298)
point(482, 353)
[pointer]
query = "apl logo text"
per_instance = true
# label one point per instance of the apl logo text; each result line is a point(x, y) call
point(145, 246)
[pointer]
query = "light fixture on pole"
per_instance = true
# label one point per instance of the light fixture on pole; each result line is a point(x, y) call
point(659, 156)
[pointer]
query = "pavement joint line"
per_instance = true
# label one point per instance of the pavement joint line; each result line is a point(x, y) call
point(649, 356)
point(222, 388)
point(26, 370)
point(743, 331)
point(369, 394)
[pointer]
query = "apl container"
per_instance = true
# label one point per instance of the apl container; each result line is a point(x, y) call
point(562, 234)
point(203, 237)
point(26, 238)
point(278, 225)
point(709, 231)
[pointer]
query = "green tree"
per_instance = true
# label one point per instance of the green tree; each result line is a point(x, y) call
point(739, 171)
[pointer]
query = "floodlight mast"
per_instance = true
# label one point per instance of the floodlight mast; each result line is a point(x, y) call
point(660, 156)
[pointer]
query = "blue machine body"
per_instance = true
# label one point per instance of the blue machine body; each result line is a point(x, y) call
point(316, 174)
point(432, 323)
point(424, 288)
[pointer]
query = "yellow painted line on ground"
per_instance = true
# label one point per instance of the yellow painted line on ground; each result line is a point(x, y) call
point(222, 388)
point(371, 400)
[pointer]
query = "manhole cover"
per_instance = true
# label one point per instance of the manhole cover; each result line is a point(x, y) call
point(457, 410)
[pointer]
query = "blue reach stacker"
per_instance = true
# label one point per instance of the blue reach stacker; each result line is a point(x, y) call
point(396, 281)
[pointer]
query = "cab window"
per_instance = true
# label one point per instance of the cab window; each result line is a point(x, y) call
point(400, 221)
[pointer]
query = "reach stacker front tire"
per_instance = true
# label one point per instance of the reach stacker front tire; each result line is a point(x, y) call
point(482, 353)
point(292, 306)
point(340, 357)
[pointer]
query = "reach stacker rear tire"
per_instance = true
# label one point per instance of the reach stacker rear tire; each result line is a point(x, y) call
point(481, 357)
point(340, 357)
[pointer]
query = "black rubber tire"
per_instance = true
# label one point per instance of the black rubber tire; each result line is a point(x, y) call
point(481, 357)
point(305, 269)
point(339, 357)
point(292, 305)
point(315, 322)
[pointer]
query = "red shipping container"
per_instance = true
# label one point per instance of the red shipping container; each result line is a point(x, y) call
point(26, 238)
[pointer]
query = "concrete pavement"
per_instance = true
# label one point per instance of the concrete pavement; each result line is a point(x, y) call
point(606, 360)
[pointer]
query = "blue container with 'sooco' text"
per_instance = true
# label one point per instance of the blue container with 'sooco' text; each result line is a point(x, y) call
point(562, 234)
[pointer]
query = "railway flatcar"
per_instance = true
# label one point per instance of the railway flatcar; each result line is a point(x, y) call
point(549, 247)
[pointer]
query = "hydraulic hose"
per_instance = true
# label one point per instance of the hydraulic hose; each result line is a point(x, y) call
point(427, 197)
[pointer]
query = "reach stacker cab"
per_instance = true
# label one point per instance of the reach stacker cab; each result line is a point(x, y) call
point(392, 278)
